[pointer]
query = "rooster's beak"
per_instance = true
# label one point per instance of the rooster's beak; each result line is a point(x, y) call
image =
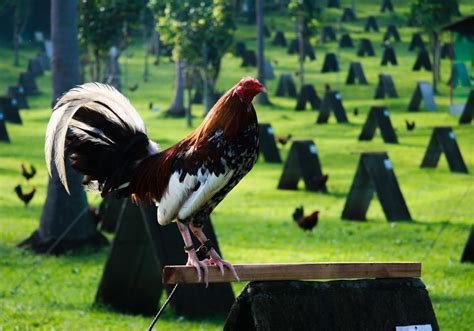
point(262, 90)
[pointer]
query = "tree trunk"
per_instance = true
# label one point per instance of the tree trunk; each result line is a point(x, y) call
point(61, 210)
point(177, 106)
point(205, 80)
point(96, 64)
point(301, 49)
point(435, 50)
point(262, 98)
point(146, 71)
point(16, 46)
point(189, 115)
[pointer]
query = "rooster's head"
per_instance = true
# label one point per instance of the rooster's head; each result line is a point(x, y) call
point(248, 88)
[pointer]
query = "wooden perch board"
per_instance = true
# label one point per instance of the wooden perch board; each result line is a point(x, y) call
point(297, 271)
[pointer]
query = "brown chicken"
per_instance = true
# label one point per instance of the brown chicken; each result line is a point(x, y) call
point(282, 140)
point(25, 197)
point(104, 138)
point(307, 223)
point(28, 174)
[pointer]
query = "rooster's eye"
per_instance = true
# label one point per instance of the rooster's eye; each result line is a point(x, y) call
point(247, 85)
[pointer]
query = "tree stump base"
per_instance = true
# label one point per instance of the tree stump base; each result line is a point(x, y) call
point(367, 304)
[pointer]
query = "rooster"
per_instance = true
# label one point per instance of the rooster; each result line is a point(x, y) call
point(307, 223)
point(104, 138)
point(355, 111)
point(25, 197)
point(410, 125)
point(28, 174)
point(282, 140)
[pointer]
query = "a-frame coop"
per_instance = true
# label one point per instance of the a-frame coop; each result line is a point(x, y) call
point(468, 111)
point(303, 162)
point(332, 103)
point(379, 117)
point(375, 174)
point(356, 73)
point(3, 129)
point(131, 280)
point(268, 146)
point(423, 92)
point(443, 140)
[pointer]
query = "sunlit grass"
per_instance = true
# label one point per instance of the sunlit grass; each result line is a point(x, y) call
point(254, 222)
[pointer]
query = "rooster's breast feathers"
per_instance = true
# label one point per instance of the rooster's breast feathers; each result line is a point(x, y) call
point(194, 175)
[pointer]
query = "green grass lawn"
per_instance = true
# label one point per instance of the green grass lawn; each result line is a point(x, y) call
point(254, 222)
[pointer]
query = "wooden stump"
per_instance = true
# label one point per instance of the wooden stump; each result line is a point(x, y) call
point(375, 174)
point(365, 48)
point(302, 162)
point(379, 117)
point(332, 102)
point(389, 56)
point(385, 87)
point(366, 304)
point(444, 141)
point(356, 73)
point(422, 61)
point(423, 92)
point(131, 281)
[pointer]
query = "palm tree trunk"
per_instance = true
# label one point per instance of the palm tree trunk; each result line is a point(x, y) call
point(61, 210)
point(262, 98)
point(177, 106)
point(301, 49)
point(435, 50)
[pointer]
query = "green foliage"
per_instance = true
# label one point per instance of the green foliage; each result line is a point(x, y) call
point(307, 10)
point(191, 24)
point(104, 23)
point(433, 14)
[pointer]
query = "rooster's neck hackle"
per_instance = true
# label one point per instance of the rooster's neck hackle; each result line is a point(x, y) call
point(229, 114)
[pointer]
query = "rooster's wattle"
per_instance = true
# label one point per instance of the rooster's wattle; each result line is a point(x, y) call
point(105, 139)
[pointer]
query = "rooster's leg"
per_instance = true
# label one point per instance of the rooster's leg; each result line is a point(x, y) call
point(193, 260)
point(214, 258)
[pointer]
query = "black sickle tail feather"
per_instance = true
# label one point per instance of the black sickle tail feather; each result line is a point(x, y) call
point(97, 129)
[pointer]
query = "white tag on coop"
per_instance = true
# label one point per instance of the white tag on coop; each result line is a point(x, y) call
point(312, 149)
point(1, 116)
point(451, 135)
point(14, 102)
point(387, 164)
point(270, 130)
point(21, 90)
point(338, 96)
point(422, 327)
point(385, 112)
